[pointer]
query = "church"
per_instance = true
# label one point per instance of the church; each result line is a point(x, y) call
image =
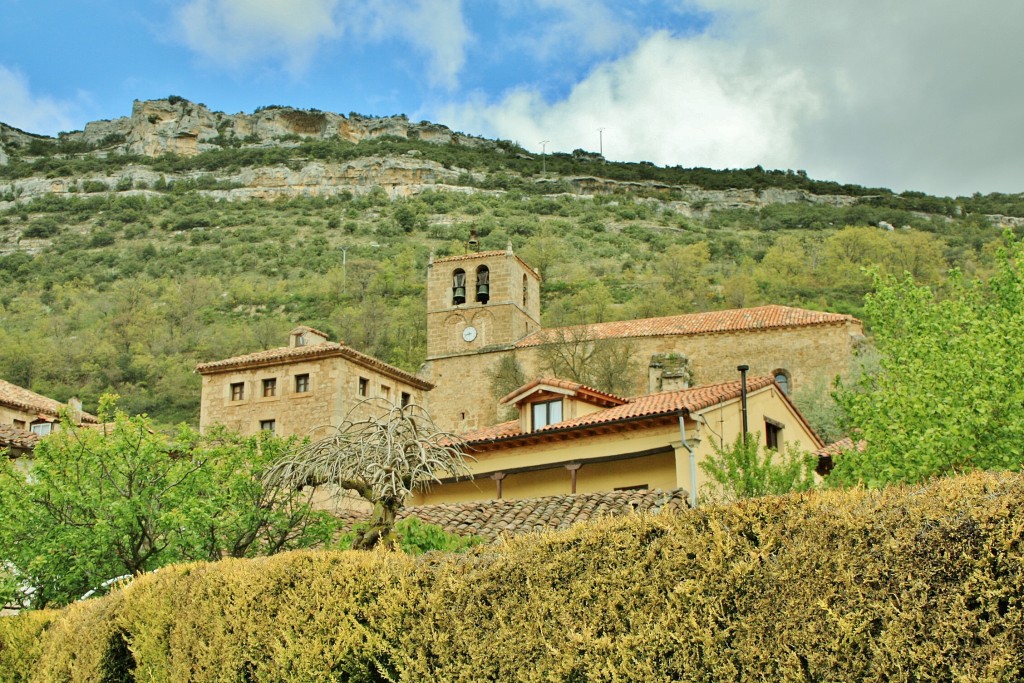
point(551, 435)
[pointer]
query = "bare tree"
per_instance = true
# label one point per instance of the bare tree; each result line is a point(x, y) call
point(384, 459)
point(574, 353)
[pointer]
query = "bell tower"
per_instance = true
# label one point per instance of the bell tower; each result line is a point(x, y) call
point(481, 300)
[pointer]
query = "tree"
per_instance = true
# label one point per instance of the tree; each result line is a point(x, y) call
point(575, 354)
point(95, 504)
point(384, 459)
point(746, 470)
point(948, 394)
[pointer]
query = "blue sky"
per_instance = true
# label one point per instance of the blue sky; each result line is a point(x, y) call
point(916, 94)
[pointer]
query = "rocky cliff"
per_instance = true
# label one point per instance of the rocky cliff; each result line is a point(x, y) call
point(176, 125)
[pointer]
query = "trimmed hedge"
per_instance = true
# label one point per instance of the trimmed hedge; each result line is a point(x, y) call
point(907, 583)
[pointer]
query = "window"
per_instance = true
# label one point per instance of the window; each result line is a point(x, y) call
point(300, 340)
point(458, 287)
point(406, 398)
point(268, 425)
point(237, 391)
point(364, 385)
point(546, 413)
point(19, 424)
point(42, 428)
point(526, 289)
point(483, 284)
point(270, 387)
point(772, 433)
point(385, 391)
point(301, 383)
point(782, 379)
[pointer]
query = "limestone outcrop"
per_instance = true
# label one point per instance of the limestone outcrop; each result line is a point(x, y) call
point(176, 125)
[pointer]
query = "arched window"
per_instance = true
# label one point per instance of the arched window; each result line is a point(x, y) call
point(483, 284)
point(459, 287)
point(782, 379)
point(526, 289)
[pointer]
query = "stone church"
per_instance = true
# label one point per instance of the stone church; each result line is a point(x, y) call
point(483, 310)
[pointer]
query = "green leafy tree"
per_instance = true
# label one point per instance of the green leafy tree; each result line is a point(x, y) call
point(745, 470)
point(94, 504)
point(948, 394)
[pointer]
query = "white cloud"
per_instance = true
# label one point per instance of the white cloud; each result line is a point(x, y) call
point(671, 101)
point(909, 95)
point(235, 32)
point(435, 27)
point(20, 108)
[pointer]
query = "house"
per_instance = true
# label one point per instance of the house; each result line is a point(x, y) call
point(28, 411)
point(484, 308)
point(17, 442)
point(301, 388)
point(573, 439)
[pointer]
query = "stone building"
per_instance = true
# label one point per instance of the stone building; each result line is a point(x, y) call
point(28, 411)
point(299, 389)
point(483, 307)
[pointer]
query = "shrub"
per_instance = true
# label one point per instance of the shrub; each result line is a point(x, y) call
point(863, 585)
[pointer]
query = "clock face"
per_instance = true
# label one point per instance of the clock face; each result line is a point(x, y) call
point(469, 334)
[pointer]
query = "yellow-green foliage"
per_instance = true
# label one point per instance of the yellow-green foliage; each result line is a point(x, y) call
point(916, 583)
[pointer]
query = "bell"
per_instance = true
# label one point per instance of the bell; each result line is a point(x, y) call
point(459, 295)
point(483, 292)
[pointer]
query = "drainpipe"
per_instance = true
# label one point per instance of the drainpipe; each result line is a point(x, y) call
point(693, 461)
point(743, 398)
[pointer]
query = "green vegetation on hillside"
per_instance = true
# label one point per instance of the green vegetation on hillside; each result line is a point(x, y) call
point(127, 293)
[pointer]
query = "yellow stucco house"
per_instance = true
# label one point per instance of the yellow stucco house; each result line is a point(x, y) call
point(570, 438)
point(27, 411)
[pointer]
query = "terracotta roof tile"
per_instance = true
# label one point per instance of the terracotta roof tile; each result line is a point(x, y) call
point(652, 405)
point(492, 519)
point(19, 397)
point(841, 446)
point(710, 322)
point(307, 328)
point(17, 438)
point(285, 354)
point(568, 386)
point(486, 254)
point(471, 255)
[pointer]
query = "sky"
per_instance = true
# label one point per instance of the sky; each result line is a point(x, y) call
point(924, 95)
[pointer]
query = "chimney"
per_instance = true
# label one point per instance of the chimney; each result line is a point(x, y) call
point(474, 243)
point(75, 410)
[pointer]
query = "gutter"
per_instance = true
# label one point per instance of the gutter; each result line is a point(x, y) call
point(693, 459)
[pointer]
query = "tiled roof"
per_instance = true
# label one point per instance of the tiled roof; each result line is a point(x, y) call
point(307, 328)
point(285, 354)
point(652, 405)
point(739, 319)
point(471, 255)
point(19, 397)
point(17, 438)
point(494, 518)
point(838, 447)
point(485, 254)
point(568, 385)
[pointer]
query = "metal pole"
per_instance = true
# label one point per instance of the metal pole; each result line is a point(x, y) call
point(600, 141)
point(544, 156)
point(743, 398)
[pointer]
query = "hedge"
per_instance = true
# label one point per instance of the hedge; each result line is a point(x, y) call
point(902, 584)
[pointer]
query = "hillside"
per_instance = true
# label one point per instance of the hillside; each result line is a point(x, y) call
point(136, 248)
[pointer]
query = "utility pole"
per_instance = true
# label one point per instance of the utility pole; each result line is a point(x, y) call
point(600, 141)
point(344, 269)
point(544, 156)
